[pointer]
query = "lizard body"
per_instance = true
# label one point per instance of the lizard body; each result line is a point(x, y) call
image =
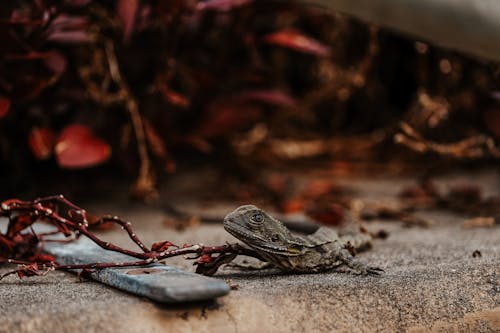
point(322, 251)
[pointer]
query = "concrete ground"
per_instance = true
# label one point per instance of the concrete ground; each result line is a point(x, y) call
point(432, 283)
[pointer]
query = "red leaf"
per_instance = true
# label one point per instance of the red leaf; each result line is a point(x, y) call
point(174, 97)
point(274, 97)
point(221, 5)
point(296, 40)
point(41, 142)
point(29, 270)
point(205, 259)
point(162, 246)
point(77, 147)
point(4, 106)
point(127, 12)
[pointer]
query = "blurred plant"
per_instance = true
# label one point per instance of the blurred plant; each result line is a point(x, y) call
point(184, 71)
point(136, 81)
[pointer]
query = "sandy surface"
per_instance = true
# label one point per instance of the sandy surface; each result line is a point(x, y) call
point(432, 283)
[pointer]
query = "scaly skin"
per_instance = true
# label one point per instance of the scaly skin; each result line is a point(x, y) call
point(322, 251)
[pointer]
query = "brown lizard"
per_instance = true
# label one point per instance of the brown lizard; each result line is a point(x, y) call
point(322, 251)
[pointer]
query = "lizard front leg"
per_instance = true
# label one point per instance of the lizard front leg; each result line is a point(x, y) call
point(245, 266)
point(357, 266)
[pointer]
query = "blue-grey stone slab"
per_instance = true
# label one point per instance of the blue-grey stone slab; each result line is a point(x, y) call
point(158, 282)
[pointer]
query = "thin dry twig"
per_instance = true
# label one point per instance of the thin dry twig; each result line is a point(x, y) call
point(475, 147)
point(144, 186)
point(22, 246)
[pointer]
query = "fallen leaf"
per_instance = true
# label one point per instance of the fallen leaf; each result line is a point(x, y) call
point(295, 40)
point(77, 147)
point(162, 246)
point(29, 270)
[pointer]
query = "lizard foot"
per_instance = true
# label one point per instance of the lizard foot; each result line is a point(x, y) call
point(373, 271)
point(358, 267)
point(248, 266)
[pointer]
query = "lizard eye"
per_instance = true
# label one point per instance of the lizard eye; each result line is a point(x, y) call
point(257, 218)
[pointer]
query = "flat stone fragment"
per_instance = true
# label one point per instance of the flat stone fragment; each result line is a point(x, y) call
point(158, 282)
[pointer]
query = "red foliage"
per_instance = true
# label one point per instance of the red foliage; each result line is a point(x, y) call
point(29, 270)
point(162, 246)
point(294, 39)
point(78, 147)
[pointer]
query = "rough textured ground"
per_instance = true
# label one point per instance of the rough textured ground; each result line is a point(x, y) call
point(432, 283)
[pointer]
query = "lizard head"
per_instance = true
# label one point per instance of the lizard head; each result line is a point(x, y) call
point(259, 230)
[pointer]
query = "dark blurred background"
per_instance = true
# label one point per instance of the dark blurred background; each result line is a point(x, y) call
point(97, 94)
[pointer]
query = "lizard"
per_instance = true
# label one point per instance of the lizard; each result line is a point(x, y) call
point(324, 250)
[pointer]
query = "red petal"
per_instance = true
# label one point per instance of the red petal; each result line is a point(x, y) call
point(77, 147)
point(127, 11)
point(4, 106)
point(41, 142)
point(296, 40)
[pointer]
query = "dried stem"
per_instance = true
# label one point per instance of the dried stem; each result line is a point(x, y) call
point(475, 147)
point(145, 184)
point(73, 222)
